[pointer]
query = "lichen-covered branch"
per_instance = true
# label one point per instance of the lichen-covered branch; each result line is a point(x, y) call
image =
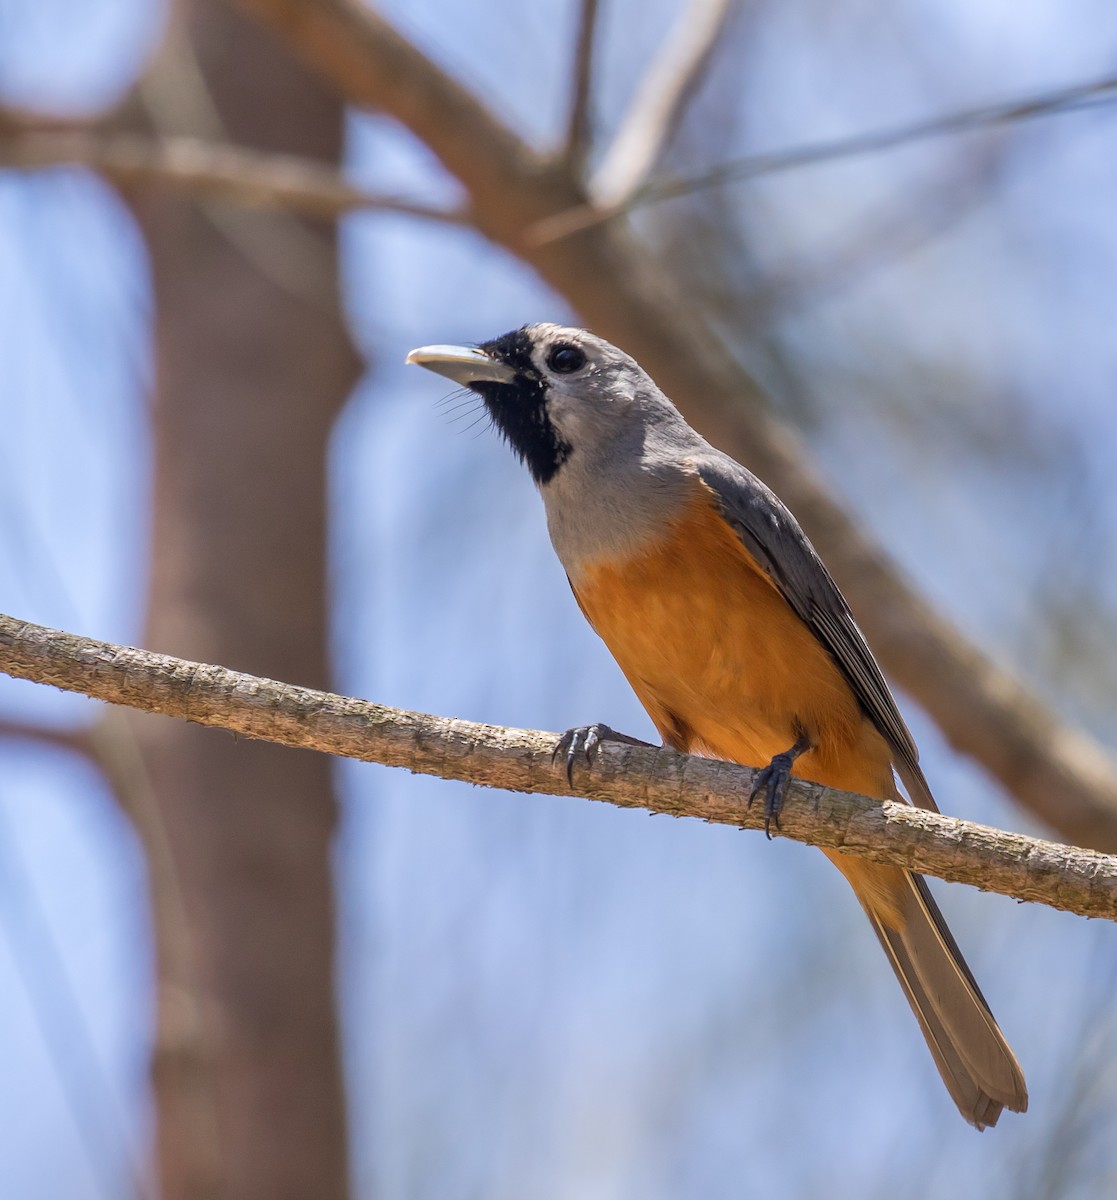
point(661, 781)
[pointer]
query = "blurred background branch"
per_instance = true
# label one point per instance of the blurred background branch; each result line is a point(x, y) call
point(660, 102)
point(207, 171)
point(652, 125)
point(579, 127)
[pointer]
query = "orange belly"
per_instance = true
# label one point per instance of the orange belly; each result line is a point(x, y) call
point(721, 661)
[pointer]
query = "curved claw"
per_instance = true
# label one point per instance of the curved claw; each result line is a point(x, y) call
point(569, 744)
point(586, 739)
point(773, 781)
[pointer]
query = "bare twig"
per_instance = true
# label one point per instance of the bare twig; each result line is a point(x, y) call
point(660, 102)
point(1080, 881)
point(110, 745)
point(208, 171)
point(608, 206)
point(882, 236)
point(62, 1019)
point(579, 129)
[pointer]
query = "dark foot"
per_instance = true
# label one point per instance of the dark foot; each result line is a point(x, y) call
point(587, 738)
point(772, 781)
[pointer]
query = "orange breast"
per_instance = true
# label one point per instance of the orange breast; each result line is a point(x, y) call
point(720, 660)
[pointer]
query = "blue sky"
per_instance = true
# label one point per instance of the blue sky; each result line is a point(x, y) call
point(545, 997)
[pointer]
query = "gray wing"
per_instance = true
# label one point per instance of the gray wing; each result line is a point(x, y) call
point(773, 537)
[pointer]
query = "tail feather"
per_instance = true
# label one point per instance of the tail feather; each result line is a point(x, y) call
point(976, 1063)
point(974, 1059)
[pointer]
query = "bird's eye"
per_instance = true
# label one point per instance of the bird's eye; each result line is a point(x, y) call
point(565, 359)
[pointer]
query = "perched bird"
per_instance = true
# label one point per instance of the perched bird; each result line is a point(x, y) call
point(733, 635)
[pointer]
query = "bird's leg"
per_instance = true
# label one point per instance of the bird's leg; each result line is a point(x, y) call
point(587, 738)
point(772, 781)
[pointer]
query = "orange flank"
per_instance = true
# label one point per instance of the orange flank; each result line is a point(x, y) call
point(726, 669)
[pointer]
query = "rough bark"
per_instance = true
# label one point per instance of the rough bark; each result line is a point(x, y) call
point(1080, 881)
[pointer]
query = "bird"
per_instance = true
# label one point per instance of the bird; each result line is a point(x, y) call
point(733, 635)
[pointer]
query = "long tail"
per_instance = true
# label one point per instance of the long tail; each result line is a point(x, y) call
point(976, 1063)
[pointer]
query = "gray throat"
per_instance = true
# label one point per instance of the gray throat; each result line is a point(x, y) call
point(606, 504)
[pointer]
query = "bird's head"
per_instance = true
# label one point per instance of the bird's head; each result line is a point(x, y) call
point(552, 391)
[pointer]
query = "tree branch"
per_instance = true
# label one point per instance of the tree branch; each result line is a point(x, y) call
point(661, 781)
point(579, 124)
point(607, 207)
point(660, 102)
point(206, 170)
point(78, 741)
point(1055, 771)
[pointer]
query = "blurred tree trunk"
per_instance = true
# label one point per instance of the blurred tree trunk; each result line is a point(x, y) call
point(253, 363)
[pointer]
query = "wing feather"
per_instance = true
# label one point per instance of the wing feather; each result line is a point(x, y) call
point(773, 537)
